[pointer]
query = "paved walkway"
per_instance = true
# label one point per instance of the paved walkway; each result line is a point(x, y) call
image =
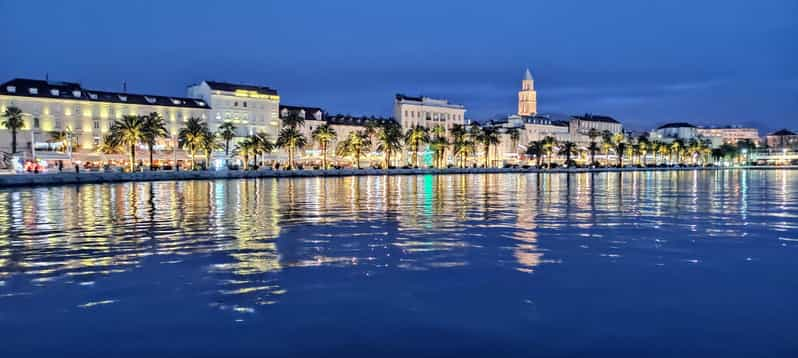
point(46, 179)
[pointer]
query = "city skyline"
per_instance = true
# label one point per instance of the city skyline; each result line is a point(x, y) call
point(716, 77)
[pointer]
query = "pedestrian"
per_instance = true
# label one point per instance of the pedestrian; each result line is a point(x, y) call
point(60, 166)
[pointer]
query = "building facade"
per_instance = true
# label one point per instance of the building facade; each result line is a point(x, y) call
point(87, 114)
point(731, 134)
point(427, 112)
point(581, 126)
point(782, 139)
point(251, 109)
point(527, 97)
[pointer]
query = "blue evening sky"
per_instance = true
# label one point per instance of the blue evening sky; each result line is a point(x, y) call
point(644, 62)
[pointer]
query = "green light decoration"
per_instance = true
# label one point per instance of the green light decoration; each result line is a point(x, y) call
point(426, 157)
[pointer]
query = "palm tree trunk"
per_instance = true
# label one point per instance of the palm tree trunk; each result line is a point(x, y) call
point(357, 158)
point(324, 156)
point(193, 164)
point(149, 146)
point(14, 140)
point(132, 157)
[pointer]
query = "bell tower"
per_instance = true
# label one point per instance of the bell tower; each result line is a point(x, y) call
point(527, 97)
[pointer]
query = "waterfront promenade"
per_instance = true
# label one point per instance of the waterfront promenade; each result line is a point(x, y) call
point(64, 178)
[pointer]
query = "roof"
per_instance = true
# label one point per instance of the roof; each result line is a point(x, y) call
point(596, 118)
point(341, 119)
point(400, 97)
point(232, 87)
point(783, 132)
point(677, 125)
point(309, 111)
point(73, 91)
point(528, 75)
point(428, 101)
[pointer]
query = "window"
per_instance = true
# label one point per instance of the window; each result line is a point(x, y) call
point(96, 141)
point(55, 92)
point(405, 113)
point(36, 122)
point(93, 95)
point(245, 103)
point(33, 90)
point(235, 104)
point(11, 89)
point(149, 99)
point(96, 124)
point(76, 94)
point(122, 98)
point(428, 115)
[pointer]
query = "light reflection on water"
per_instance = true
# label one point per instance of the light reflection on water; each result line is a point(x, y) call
point(242, 241)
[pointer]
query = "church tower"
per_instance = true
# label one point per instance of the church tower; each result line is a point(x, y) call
point(527, 97)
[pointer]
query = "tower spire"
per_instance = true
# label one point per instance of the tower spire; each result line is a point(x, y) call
point(528, 75)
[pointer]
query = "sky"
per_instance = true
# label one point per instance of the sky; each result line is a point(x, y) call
point(643, 62)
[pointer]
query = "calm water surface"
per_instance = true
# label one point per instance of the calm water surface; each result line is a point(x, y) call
point(633, 264)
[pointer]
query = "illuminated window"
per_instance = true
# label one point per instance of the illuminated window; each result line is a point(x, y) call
point(150, 100)
point(122, 98)
point(55, 92)
point(33, 90)
point(93, 95)
point(76, 94)
point(11, 89)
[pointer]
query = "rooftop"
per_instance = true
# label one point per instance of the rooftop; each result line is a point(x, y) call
point(596, 118)
point(423, 100)
point(232, 87)
point(782, 132)
point(677, 125)
point(341, 119)
point(310, 112)
point(74, 91)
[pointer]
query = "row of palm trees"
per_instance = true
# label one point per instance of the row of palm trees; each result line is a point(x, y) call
point(637, 149)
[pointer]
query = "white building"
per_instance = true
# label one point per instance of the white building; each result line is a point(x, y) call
point(679, 130)
point(731, 134)
point(427, 112)
point(250, 108)
point(580, 126)
point(87, 114)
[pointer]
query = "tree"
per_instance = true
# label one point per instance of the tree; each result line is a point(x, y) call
point(535, 148)
point(293, 119)
point(644, 145)
point(438, 144)
point(227, 131)
point(460, 142)
point(291, 139)
point(606, 144)
point(487, 136)
point(127, 132)
point(619, 143)
point(191, 137)
point(209, 145)
point(515, 136)
point(389, 138)
point(154, 128)
point(676, 149)
point(414, 138)
point(262, 145)
point(354, 145)
point(63, 138)
point(324, 135)
point(568, 148)
point(246, 147)
point(549, 143)
point(12, 120)
point(593, 133)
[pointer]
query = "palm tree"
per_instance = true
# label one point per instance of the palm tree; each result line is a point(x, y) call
point(192, 137)
point(676, 149)
point(127, 132)
point(460, 142)
point(246, 147)
point(324, 135)
point(414, 138)
point(487, 136)
point(291, 139)
point(293, 120)
point(515, 136)
point(644, 145)
point(548, 145)
point(389, 138)
point(663, 149)
point(619, 143)
point(354, 145)
point(227, 131)
point(438, 146)
point(593, 133)
point(154, 128)
point(535, 148)
point(262, 145)
point(209, 145)
point(12, 119)
point(568, 148)
point(63, 138)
